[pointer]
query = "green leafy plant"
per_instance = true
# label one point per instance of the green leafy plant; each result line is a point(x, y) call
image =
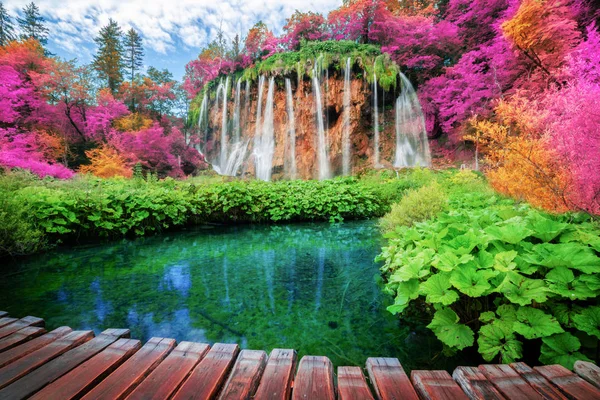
point(498, 275)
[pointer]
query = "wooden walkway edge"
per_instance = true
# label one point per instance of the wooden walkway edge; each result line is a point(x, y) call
point(67, 364)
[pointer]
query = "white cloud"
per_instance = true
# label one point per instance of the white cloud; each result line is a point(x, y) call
point(164, 24)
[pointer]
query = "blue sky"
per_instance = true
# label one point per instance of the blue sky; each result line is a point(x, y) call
point(174, 31)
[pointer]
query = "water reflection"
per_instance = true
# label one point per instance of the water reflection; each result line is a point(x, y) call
point(308, 286)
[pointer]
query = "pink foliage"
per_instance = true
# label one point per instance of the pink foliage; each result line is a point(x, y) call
point(307, 26)
point(415, 41)
point(584, 61)
point(99, 118)
point(17, 96)
point(23, 151)
point(574, 127)
point(478, 20)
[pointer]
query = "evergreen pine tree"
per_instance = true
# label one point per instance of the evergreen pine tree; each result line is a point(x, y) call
point(7, 30)
point(108, 61)
point(32, 24)
point(134, 52)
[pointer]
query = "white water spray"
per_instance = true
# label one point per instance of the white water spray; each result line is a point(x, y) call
point(346, 161)
point(292, 168)
point(322, 145)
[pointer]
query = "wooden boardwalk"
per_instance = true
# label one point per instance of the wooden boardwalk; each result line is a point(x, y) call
point(67, 364)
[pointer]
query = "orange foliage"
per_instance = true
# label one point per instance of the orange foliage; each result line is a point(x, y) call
point(106, 163)
point(132, 122)
point(520, 162)
point(543, 30)
point(52, 147)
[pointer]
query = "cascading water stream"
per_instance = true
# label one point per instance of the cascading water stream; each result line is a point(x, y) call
point(346, 162)
point(203, 129)
point(223, 158)
point(292, 168)
point(412, 146)
point(375, 124)
point(322, 145)
point(236, 112)
point(264, 148)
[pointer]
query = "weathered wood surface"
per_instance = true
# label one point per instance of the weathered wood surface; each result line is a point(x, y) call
point(314, 379)
point(170, 374)
point(436, 385)
point(24, 349)
point(276, 382)
point(245, 375)
point(6, 321)
point(588, 371)
point(509, 382)
point(3, 314)
point(40, 357)
point(57, 367)
point(66, 364)
point(20, 336)
point(352, 384)
point(475, 384)
point(80, 380)
point(389, 379)
point(569, 383)
point(20, 324)
point(538, 382)
point(126, 378)
point(206, 379)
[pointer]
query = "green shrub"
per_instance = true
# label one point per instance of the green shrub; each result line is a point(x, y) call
point(416, 206)
point(502, 276)
point(18, 235)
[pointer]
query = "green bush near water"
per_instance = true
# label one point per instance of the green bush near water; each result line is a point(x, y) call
point(498, 275)
point(85, 208)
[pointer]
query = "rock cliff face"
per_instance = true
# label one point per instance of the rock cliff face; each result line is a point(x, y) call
point(305, 121)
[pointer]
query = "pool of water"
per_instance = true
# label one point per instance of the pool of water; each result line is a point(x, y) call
point(311, 287)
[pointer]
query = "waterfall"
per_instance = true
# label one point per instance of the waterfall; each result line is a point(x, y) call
point(264, 144)
point(236, 112)
point(412, 147)
point(261, 84)
point(322, 145)
point(223, 158)
point(202, 117)
point(246, 103)
point(346, 162)
point(375, 124)
point(292, 168)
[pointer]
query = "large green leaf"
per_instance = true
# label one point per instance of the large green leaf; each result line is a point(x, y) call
point(406, 292)
point(447, 261)
point(503, 261)
point(438, 289)
point(533, 323)
point(562, 282)
point(544, 228)
point(561, 349)
point(588, 321)
point(493, 340)
point(464, 244)
point(569, 255)
point(564, 312)
point(521, 290)
point(592, 281)
point(447, 329)
point(511, 231)
point(413, 268)
point(471, 281)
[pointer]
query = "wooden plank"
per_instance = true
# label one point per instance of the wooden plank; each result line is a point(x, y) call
point(3, 314)
point(436, 385)
point(245, 375)
point(389, 379)
point(170, 374)
point(206, 379)
point(25, 365)
point(126, 378)
point(509, 382)
point(20, 336)
point(588, 371)
point(80, 380)
point(6, 321)
point(569, 383)
point(314, 379)
point(352, 384)
point(24, 349)
point(20, 324)
point(276, 382)
point(475, 384)
point(54, 369)
point(538, 382)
